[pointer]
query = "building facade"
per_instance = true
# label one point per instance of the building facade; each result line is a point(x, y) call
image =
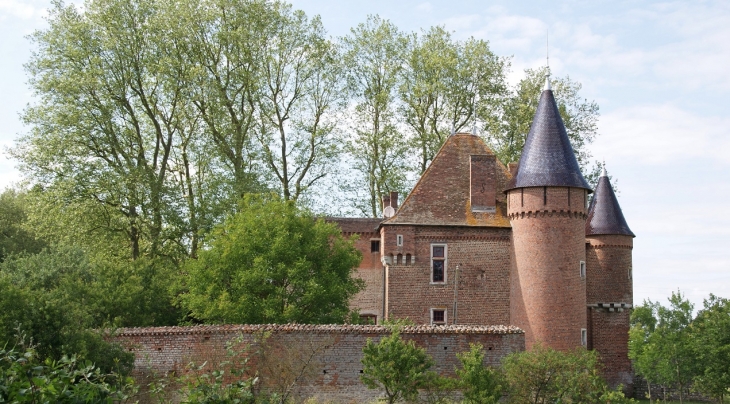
point(478, 243)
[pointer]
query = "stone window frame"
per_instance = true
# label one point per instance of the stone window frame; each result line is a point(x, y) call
point(582, 270)
point(583, 337)
point(441, 309)
point(399, 240)
point(445, 260)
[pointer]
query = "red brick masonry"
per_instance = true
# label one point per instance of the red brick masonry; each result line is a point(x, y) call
point(161, 350)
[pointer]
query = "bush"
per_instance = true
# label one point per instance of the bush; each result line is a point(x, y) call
point(399, 367)
point(480, 384)
point(26, 379)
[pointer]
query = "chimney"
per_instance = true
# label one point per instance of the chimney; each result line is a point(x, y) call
point(394, 200)
point(512, 169)
point(483, 184)
point(386, 201)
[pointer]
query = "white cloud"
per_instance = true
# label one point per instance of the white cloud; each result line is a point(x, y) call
point(19, 9)
point(658, 134)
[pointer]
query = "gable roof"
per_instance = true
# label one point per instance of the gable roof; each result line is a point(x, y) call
point(548, 158)
point(442, 194)
point(604, 214)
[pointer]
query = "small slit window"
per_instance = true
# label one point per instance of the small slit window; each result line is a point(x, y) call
point(582, 269)
point(399, 240)
point(583, 337)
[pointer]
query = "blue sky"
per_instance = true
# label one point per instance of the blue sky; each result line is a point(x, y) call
point(660, 72)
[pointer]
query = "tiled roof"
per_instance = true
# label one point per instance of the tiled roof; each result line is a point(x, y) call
point(604, 214)
point(356, 224)
point(319, 329)
point(548, 158)
point(442, 194)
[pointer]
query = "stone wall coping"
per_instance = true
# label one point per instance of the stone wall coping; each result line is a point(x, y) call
point(317, 329)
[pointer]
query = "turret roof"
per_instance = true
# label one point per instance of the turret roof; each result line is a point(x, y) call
point(548, 158)
point(604, 214)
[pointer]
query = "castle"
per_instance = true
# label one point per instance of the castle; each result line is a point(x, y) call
point(478, 243)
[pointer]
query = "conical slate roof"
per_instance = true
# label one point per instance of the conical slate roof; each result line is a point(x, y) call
point(548, 158)
point(604, 214)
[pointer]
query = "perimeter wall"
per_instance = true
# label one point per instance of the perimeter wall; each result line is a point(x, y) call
point(321, 361)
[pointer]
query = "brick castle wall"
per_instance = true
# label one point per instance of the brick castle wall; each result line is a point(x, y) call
point(334, 352)
point(547, 291)
point(369, 300)
point(482, 254)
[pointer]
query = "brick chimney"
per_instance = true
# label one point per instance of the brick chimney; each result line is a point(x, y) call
point(394, 200)
point(483, 187)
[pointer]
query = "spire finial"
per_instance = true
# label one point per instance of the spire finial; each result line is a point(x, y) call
point(603, 169)
point(547, 56)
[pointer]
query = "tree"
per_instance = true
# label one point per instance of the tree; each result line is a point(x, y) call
point(480, 384)
point(107, 117)
point(580, 116)
point(399, 367)
point(660, 343)
point(544, 375)
point(448, 85)
point(273, 262)
point(374, 53)
point(710, 333)
point(301, 89)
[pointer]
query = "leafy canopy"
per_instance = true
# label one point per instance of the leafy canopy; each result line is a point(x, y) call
point(273, 262)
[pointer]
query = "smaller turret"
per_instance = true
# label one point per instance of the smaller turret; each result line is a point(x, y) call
point(609, 286)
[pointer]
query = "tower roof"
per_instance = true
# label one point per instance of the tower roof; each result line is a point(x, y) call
point(604, 214)
point(548, 158)
point(442, 194)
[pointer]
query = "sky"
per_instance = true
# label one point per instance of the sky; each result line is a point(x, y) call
point(660, 72)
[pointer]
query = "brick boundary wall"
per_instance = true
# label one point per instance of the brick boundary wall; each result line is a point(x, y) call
point(334, 351)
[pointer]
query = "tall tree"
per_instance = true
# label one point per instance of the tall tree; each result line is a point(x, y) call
point(448, 85)
point(374, 54)
point(300, 92)
point(711, 346)
point(107, 114)
point(508, 134)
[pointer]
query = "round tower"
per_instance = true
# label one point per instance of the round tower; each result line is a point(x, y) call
point(547, 209)
point(609, 287)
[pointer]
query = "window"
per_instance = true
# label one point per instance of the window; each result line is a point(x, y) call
point(368, 319)
point(582, 269)
point(583, 337)
point(374, 245)
point(630, 273)
point(399, 240)
point(438, 263)
point(438, 316)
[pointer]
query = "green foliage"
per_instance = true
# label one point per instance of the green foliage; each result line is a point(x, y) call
point(24, 378)
point(660, 343)
point(544, 375)
point(480, 384)
point(58, 296)
point(373, 55)
point(711, 339)
point(15, 238)
point(399, 367)
point(273, 262)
